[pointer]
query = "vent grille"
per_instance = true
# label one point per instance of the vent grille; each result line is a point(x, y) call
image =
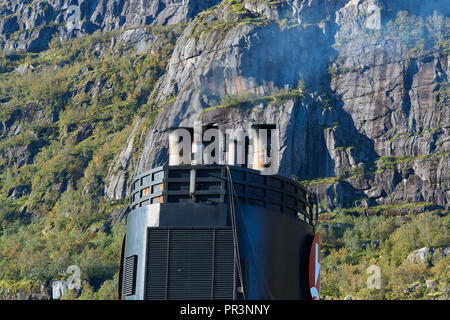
point(129, 276)
point(157, 254)
point(190, 264)
point(223, 264)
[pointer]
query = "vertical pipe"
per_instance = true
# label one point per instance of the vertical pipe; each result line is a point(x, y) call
point(192, 185)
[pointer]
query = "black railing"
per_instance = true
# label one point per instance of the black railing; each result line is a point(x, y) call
point(209, 185)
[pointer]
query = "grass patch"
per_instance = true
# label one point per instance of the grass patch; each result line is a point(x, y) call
point(223, 17)
point(250, 99)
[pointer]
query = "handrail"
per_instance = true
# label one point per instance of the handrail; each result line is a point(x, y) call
point(173, 184)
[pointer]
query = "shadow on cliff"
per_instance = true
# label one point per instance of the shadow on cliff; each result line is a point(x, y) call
point(287, 58)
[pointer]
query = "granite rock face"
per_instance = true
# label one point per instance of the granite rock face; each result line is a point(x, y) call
point(374, 114)
point(359, 95)
point(29, 26)
point(118, 174)
point(428, 255)
point(38, 292)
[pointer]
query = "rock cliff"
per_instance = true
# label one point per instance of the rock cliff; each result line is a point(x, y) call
point(373, 112)
point(29, 25)
point(367, 83)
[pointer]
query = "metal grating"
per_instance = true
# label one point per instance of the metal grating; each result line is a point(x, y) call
point(129, 276)
point(224, 265)
point(190, 264)
point(157, 250)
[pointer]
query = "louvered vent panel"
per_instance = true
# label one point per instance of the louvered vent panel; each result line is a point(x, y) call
point(224, 265)
point(156, 263)
point(129, 276)
point(190, 264)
